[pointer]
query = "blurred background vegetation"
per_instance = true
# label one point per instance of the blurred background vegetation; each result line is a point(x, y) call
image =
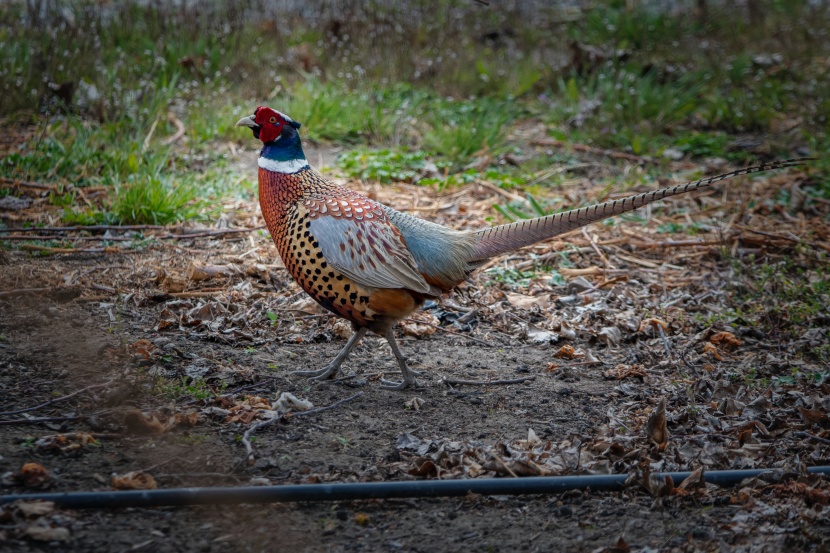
point(140, 97)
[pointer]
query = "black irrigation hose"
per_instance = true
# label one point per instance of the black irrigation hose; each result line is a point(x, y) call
point(370, 490)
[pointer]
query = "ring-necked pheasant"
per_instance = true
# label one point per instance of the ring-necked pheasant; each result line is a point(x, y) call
point(373, 265)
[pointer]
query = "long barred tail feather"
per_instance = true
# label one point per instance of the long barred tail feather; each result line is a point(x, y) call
point(505, 238)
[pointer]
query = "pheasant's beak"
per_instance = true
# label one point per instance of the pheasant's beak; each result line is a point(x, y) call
point(247, 122)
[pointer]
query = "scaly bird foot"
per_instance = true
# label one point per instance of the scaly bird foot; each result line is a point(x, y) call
point(407, 382)
point(323, 374)
point(331, 369)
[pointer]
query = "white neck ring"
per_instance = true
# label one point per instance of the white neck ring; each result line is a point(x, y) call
point(287, 167)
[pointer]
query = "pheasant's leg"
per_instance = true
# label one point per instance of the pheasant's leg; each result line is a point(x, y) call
point(334, 365)
point(408, 374)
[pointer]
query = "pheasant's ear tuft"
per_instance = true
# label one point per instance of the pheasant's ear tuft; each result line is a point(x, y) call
point(294, 124)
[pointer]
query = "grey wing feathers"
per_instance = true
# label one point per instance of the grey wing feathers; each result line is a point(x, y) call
point(372, 255)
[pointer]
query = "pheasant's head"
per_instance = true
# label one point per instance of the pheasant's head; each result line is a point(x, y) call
point(269, 124)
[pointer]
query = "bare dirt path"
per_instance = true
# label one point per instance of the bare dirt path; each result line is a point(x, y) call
point(744, 387)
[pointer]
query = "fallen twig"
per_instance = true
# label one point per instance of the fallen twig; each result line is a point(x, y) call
point(808, 436)
point(38, 291)
point(218, 232)
point(489, 382)
point(501, 461)
point(269, 380)
point(447, 330)
point(56, 400)
point(246, 437)
point(26, 184)
point(179, 131)
point(85, 227)
point(795, 239)
point(170, 236)
point(593, 150)
point(665, 340)
point(11, 237)
point(326, 408)
point(577, 364)
point(46, 249)
point(22, 422)
point(596, 249)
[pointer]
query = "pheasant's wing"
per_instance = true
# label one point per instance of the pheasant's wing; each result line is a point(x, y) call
point(360, 242)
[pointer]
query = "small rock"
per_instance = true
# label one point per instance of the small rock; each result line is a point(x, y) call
point(610, 335)
point(564, 511)
point(579, 284)
point(765, 60)
point(11, 203)
point(259, 481)
point(356, 382)
point(673, 154)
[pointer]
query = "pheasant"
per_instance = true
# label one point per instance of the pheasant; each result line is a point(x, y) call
point(373, 265)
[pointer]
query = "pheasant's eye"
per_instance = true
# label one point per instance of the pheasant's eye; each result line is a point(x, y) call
point(272, 120)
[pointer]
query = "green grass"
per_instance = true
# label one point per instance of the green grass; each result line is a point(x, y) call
point(383, 166)
point(196, 388)
point(157, 201)
point(783, 299)
point(408, 83)
point(460, 130)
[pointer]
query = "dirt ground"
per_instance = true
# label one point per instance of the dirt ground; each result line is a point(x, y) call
point(177, 367)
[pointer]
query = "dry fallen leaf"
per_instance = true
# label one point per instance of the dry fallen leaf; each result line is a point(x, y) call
point(47, 533)
point(812, 495)
point(288, 402)
point(523, 301)
point(625, 371)
point(186, 419)
point(342, 329)
point(621, 547)
point(33, 475)
point(420, 324)
point(645, 324)
point(725, 339)
point(415, 404)
point(567, 352)
point(142, 348)
point(362, 519)
point(135, 480)
point(35, 508)
point(814, 416)
point(711, 349)
point(64, 443)
point(656, 427)
point(610, 335)
point(427, 469)
point(139, 423)
point(694, 481)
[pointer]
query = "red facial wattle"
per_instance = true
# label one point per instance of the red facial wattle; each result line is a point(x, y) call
point(270, 124)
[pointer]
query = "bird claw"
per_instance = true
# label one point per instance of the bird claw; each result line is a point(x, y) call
point(402, 385)
point(322, 374)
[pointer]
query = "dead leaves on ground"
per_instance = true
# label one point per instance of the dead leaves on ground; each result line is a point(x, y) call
point(245, 410)
point(734, 431)
point(148, 424)
point(656, 428)
point(32, 475)
point(65, 443)
point(622, 371)
point(35, 520)
point(420, 324)
point(134, 480)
